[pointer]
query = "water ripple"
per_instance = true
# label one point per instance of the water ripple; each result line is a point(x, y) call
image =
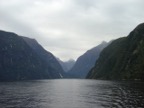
point(71, 94)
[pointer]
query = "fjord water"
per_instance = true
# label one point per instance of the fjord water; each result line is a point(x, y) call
point(71, 93)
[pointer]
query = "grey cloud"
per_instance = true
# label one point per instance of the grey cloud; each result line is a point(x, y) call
point(86, 3)
point(82, 23)
point(12, 24)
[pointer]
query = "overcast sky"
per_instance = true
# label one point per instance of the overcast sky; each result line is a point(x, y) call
point(68, 28)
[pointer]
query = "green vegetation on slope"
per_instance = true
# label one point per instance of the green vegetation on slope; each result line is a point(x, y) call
point(122, 59)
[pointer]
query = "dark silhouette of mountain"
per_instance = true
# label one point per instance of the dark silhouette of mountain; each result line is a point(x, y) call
point(122, 59)
point(85, 62)
point(48, 57)
point(67, 65)
point(19, 61)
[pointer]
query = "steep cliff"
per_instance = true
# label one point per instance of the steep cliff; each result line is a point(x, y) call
point(18, 61)
point(86, 61)
point(46, 56)
point(122, 59)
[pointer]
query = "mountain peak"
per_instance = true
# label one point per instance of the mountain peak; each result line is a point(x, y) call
point(86, 61)
point(23, 58)
point(140, 28)
point(122, 59)
point(70, 60)
point(103, 42)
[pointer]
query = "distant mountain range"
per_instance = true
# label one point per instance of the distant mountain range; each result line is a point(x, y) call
point(23, 58)
point(123, 59)
point(86, 61)
point(67, 65)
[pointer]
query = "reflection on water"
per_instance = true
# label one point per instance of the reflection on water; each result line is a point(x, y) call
point(71, 94)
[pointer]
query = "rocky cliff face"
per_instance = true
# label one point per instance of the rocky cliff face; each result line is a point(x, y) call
point(46, 56)
point(85, 62)
point(18, 61)
point(122, 59)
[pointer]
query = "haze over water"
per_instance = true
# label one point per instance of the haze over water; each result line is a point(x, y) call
point(71, 93)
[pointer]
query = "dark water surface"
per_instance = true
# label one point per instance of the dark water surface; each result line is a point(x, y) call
point(71, 94)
